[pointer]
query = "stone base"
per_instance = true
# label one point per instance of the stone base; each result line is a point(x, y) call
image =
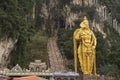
point(88, 77)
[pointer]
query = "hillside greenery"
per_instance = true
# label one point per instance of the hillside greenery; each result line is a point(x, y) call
point(28, 50)
point(16, 22)
point(15, 17)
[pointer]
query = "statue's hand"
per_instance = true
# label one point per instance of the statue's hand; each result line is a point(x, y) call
point(93, 47)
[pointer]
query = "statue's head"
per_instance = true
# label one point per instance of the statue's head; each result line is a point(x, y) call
point(84, 23)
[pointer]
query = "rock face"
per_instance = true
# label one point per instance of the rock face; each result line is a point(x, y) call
point(102, 12)
point(6, 46)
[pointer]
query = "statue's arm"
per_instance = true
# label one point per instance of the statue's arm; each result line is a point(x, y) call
point(77, 34)
point(94, 40)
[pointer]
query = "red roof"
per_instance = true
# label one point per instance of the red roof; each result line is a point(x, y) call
point(28, 78)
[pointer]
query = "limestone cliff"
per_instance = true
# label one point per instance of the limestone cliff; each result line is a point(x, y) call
point(61, 15)
point(6, 46)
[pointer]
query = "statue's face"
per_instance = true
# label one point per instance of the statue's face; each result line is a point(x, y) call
point(84, 24)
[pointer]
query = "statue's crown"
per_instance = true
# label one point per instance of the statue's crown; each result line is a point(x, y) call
point(85, 22)
point(85, 18)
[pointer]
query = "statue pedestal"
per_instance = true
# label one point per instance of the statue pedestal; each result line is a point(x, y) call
point(88, 77)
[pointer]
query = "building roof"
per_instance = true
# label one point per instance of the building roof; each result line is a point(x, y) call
point(29, 78)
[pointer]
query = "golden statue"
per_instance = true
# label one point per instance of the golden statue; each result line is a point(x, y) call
point(86, 48)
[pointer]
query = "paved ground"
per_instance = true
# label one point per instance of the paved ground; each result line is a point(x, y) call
point(55, 58)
